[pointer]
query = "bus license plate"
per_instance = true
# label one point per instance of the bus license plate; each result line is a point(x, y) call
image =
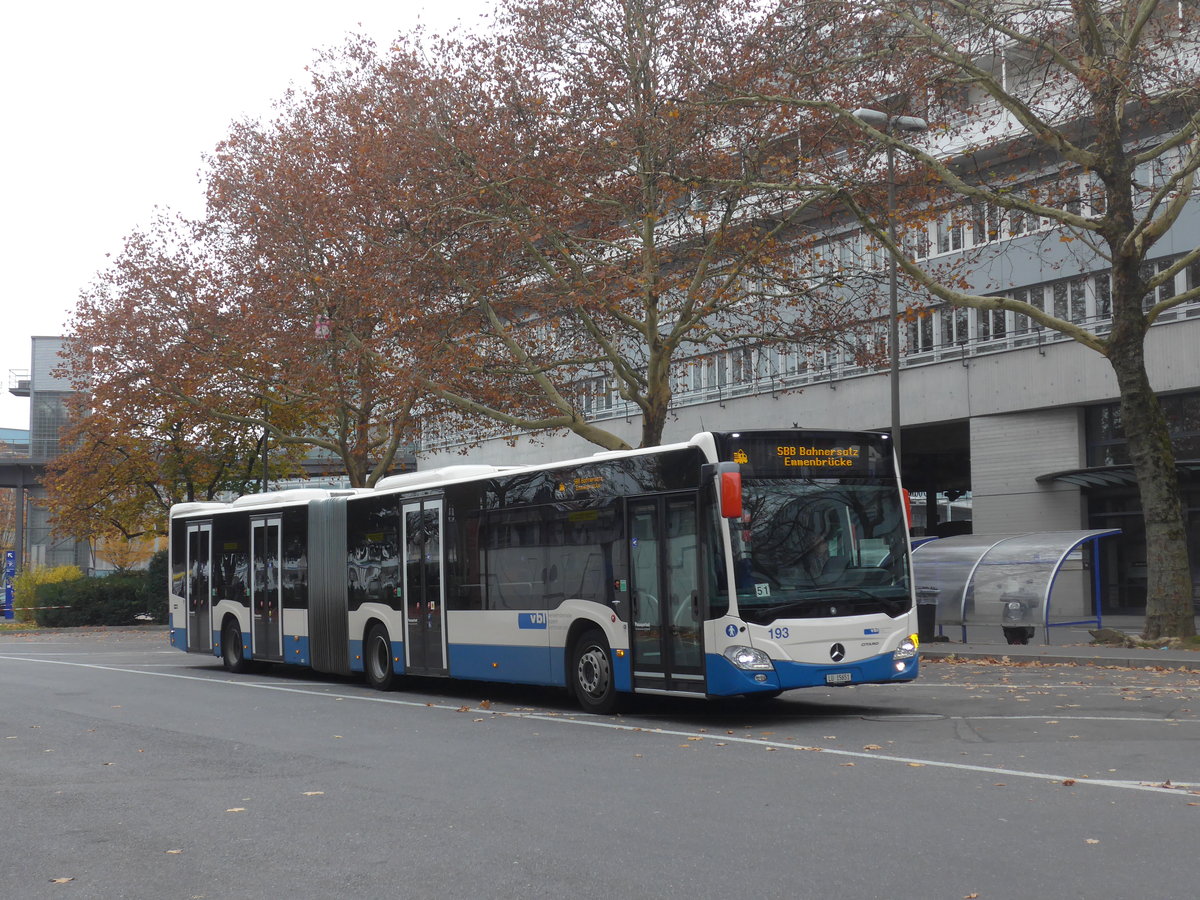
point(839, 678)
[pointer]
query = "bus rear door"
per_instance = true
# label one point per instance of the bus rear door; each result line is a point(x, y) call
point(198, 584)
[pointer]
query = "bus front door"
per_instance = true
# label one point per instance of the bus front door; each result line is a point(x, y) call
point(668, 652)
point(198, 585)
point(266, 589)
point(425, 612)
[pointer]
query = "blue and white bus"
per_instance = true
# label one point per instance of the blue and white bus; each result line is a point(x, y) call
point(737, 563)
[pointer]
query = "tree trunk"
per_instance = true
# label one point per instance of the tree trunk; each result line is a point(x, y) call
point(1169, 579)
point(658, 398)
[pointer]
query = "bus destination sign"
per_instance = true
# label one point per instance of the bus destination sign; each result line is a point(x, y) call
point(768, 455)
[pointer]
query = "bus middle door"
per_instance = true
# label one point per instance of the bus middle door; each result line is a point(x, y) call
point(266, 589)
point(425, 611)
point(664, 555)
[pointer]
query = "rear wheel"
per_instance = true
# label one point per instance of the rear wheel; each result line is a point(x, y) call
point(377, 659)
point(233, 654)
point(592, 673)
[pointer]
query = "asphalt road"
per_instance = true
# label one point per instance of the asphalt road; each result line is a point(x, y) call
point(130, 770)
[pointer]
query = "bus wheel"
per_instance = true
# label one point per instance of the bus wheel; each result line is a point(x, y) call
point(592, 673)
point(377, 659)
point(232, 653)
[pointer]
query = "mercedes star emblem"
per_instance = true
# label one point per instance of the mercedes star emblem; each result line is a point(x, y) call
point(837, 652)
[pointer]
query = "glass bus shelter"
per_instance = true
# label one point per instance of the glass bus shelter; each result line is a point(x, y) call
point(1005, 579)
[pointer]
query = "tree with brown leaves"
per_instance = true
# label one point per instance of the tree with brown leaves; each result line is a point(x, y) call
point(1080, 117)
point(588, 223)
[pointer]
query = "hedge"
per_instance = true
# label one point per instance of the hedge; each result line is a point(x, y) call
point(123, 598)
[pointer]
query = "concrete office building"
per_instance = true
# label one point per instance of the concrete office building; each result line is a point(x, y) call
point(1007, 427)
point(36, 544)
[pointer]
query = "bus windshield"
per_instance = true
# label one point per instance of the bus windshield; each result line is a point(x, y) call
point(808, 549)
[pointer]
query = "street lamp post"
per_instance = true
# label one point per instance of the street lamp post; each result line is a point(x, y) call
point(890, 124)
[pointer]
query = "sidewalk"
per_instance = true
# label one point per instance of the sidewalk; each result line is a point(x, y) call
point(1069, 644)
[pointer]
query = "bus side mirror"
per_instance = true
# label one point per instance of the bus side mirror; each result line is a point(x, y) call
point(730, 490)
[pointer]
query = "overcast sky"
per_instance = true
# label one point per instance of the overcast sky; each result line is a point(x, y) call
point(109, 109)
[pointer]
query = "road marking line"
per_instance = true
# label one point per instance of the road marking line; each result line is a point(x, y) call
point(1178, 788)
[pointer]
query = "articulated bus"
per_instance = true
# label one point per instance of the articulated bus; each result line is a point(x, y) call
point(737, 563)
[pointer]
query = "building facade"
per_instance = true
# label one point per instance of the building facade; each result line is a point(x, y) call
point(1007, 427)
point(35, 542)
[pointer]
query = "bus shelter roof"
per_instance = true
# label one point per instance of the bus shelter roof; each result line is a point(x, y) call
point(975, 578)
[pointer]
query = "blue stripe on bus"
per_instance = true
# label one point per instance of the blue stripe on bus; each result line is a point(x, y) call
point(295, 649)
point(525, 665)
point(623, 671)
point(725, 679)
point(497, 662)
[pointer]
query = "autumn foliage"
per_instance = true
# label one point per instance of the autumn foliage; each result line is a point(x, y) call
point(480, 235)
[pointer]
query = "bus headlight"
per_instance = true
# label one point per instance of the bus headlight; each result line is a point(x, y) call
point(907, 648)
point(748, 658)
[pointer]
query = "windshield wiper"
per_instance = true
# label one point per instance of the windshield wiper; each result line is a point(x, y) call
point(790, 604)
point(831, 595)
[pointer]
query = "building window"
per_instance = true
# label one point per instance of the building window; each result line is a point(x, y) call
point(954, 325)
point(985, 226)
point(1102, 285)
point(1070, 299)
point(743, 365)
point(1164, 291)
point(1035, 297)
point(949, 233)
point(1106, 444)
point(1018, 222)
point(920, 332)
point(992, 324)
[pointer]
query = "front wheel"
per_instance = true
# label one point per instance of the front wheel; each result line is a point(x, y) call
point(233, 654)
point(377, 659)
point(592, 673)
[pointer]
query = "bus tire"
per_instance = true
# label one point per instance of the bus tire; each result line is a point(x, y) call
point(591, 673)
point(233, 654)
point(377, 659)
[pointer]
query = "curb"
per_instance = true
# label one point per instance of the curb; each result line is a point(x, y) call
point(1147, 659)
